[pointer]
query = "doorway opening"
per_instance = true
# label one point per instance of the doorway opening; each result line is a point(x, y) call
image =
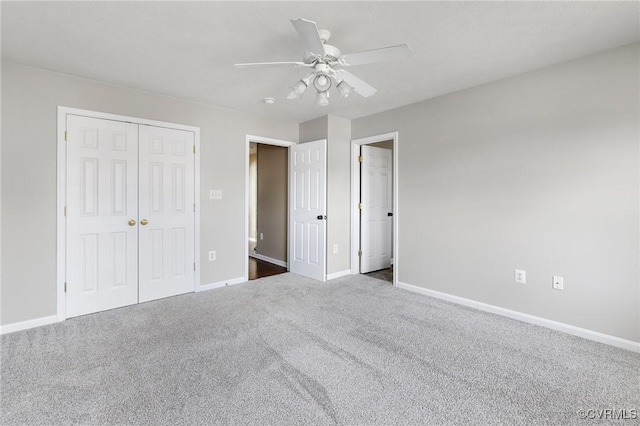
point(267, 207)
point(374, 216)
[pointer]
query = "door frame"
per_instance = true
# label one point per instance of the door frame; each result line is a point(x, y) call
point(61, 305)
point(265, 141)
point(355, 197)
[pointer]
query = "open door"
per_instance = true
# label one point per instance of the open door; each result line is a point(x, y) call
point(376, 213)
point(307, 209)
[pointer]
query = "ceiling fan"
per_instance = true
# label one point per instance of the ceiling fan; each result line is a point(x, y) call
point(327, 64)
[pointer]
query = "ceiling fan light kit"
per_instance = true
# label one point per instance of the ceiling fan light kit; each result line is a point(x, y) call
point(322, 82)
point(298, 89)
point(344, 88)
point(322, 98)
point(327, 63)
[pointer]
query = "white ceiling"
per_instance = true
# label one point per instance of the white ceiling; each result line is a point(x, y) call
point(186, 49)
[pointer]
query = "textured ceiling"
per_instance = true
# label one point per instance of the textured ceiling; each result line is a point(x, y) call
point(186, 49)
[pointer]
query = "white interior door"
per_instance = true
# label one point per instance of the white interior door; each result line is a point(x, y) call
point(102, 199)
point(307, 209)
point(376, 197)
point(166, 212)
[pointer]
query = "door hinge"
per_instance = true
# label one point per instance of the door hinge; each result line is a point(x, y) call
point(194, 207)
point(360, 206)
point(65, 135)
point(359, 252)
point(194, 149)
point(194, 266)
point(360, 159)
point(65, 287)
point(65, 211)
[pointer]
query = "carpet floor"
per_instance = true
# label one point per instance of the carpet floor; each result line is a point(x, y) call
point(289, 350)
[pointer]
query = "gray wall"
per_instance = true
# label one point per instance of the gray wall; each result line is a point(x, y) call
point(338, 193)
point(337, 131)
point(314, 130)
point(30, 98)
point(272, 202)
point(538, 172)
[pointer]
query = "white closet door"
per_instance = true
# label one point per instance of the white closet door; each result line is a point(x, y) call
point(166, 212)
point(307, 209)
point(102, 199)
point(376, 178)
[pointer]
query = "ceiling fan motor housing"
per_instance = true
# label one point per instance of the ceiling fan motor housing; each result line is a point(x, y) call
point(331, 54)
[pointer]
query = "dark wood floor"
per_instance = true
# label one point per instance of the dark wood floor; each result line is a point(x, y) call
point(383, 274)
point(259, 269)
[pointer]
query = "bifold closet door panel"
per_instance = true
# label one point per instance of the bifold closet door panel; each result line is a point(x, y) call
point(166, 206)
point(102, 214)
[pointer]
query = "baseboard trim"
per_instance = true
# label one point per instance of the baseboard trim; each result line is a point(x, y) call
point(25, 325)
point(223, 283)
point(531, 319)
point(269, 259)
point(338, 274)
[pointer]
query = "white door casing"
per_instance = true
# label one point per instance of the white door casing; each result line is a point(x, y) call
point(166, 212)
point(102, 197)
point(249, 139)
point(376, 198)
point(307, 209)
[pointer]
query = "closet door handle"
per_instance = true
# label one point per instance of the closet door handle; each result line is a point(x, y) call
point(144, 222)
point(132, 222)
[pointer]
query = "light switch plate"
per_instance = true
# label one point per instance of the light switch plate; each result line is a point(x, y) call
point(215, 194)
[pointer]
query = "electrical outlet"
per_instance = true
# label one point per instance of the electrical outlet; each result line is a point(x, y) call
point(335, 248)
point(261, 236)
point(558, 283)
point(521, 276)
point(215, 194)
point(212, 256)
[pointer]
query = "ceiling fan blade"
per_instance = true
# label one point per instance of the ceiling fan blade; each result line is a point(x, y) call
point(270, 64)
point(392, 53)
point(308, 31)
point(361, 87)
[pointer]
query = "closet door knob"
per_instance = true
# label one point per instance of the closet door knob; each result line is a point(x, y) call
point(144, 222)
point(132, 222)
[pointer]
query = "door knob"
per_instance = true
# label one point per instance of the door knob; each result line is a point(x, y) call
point(389, 214)
point(321, 217)
point(132, 222)
point(144, 222)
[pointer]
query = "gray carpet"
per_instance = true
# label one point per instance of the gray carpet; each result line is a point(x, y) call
point(288, 350)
